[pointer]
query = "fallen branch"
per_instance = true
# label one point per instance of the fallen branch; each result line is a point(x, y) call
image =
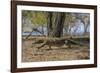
point(34, 29)
point(57, 42)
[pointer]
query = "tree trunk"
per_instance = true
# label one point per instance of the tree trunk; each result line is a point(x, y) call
point(59, 22)
point(55, 29)
point(49, 23)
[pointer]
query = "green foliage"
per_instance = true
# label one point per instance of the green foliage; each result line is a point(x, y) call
point(27, 14)
point(39, 18)
point(36, 17)
point(68, 18)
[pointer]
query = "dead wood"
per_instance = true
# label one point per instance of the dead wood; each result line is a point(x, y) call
point(58, 42)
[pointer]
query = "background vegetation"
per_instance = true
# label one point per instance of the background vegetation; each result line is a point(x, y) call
point(55, 24)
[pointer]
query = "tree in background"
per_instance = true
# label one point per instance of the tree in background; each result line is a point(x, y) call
point(57, 23)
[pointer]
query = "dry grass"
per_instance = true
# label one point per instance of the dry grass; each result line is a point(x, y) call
point(33, 54)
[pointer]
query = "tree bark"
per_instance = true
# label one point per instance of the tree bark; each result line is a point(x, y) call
point(59, 22)
point(49, 23)
point(55, 29)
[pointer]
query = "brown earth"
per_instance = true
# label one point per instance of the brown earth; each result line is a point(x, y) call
point(33, 54)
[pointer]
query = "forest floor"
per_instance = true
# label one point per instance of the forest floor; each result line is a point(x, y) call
point(33, 54)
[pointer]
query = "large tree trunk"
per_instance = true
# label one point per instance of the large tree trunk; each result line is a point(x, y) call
point(49, 23)
point(55, 29)
point(59, 22)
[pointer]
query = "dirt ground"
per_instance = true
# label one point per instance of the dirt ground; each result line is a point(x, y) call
point(33, 54)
